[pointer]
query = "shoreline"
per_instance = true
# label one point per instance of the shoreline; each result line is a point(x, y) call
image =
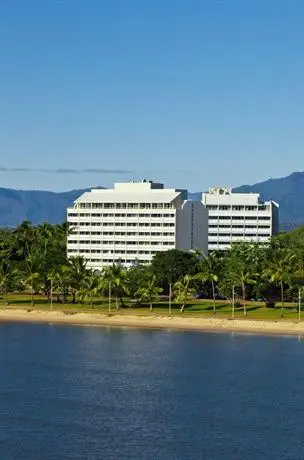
point(257, 327)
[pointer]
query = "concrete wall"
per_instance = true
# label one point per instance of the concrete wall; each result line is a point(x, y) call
point(192, 227)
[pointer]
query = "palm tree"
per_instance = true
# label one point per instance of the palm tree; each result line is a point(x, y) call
point(8, 277)
point(239, 269)
point(209, 273)
point(46, 231)
point(278, 269)
point(77, 272)
point(150, 291)
point(183, 290)
point(25, 236)
point(61, 280)
point(32, 281)
point(89, 287)
point(117, 276)
point(33, 271)
point(4, 284)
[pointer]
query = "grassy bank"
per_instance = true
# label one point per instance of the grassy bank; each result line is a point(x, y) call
point(195, 308)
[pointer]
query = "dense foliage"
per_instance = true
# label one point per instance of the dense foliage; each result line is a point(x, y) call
point(33, 259)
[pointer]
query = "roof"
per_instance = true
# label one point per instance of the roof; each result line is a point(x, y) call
point(113, 196)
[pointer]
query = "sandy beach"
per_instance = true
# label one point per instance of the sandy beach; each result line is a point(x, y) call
point(283, 327)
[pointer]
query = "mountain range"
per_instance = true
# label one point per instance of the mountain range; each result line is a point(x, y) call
point(44, 206)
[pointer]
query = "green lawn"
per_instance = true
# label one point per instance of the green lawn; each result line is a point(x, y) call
point(195, 308)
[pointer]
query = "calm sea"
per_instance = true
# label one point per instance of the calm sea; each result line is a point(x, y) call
point(95, 393)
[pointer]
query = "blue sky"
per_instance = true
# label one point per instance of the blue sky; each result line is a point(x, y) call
point(193, 93)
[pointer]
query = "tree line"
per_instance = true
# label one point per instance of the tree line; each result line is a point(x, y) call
point(33, 259)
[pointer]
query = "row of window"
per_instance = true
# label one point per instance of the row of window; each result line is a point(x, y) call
point(212, 218)
point(220, 243)
point(214, 207)
point(240, 226)
point(121, 224)
point(164, 215)
point(86, 251)
point(125, 205)
point(121, 260)
point(214, 244)
point(100, 243)
point(126, 233)
point(103, 251)
point(258, 235)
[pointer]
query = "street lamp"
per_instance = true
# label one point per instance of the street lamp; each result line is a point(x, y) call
point(110, 297)
point(51, 293)
point(233, 301)
point(170, 297)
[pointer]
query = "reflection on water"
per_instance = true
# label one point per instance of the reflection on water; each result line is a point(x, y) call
point(100, 393)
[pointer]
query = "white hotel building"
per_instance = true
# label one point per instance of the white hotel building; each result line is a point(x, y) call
point(134, 221)
point(239, 217)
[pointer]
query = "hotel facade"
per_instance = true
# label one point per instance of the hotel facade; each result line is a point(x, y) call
point(133, 221)
point(235, 217)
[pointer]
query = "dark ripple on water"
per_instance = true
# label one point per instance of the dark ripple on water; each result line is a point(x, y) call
point(96, 393)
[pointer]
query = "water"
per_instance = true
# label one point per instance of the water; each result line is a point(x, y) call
point(95, 393)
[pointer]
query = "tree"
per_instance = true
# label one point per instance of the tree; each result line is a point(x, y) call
point(170, 266)
point(210, 268)
point(116, 275)
point(77, 273)
point(278, 268)
point(239, 269)
point(46, 232)
point(32, 282)
point(183, 291)
point(25, 237)
point(90, 286)
point(61, 279)
point(149, 291)
point(9, 275)
point(137, 277)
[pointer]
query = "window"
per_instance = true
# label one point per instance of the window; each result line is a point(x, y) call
point(215, 218)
